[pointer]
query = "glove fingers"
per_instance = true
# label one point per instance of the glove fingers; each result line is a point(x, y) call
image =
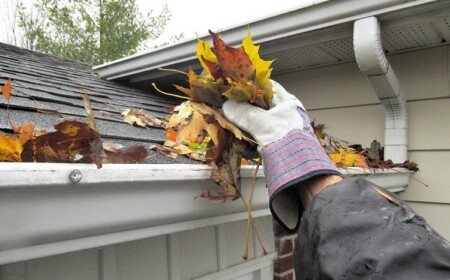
point(281, 95)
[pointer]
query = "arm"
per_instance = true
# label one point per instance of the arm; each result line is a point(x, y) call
point(310, 188)
point(350, 231)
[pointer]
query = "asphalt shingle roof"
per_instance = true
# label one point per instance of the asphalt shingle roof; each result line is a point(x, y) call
point(48, 89)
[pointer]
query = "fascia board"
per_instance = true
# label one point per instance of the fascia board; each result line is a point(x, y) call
point(43, 212)
point(278, 26)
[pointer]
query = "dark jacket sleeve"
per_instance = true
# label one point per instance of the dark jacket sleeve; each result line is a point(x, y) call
point(351, 231)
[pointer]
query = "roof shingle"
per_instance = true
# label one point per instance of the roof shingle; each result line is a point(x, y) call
point(47, 89)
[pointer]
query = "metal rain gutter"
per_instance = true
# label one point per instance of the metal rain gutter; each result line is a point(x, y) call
point(271, 28)
point(373, 64)
point(54, 208)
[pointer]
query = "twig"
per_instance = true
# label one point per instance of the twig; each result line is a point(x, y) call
point(250, 218)
point(170, 94)
point(411, 177)
point(173, 70)
point(372, 171)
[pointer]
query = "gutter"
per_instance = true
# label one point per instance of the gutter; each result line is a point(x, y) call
point(298, 21)
point(46, 209)
point(374, 65)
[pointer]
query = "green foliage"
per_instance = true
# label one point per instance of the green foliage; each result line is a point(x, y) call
point(90, 31)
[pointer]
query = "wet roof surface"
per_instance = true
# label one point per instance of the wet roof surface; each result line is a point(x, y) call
point(48, 89)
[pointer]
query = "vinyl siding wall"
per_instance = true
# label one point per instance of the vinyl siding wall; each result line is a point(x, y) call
point(184, 255)
point(341, 97)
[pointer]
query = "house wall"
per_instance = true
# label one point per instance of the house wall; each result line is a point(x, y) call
point(342, 98)
point(202, 252)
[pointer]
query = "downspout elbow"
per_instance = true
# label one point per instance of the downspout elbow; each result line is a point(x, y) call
point(374, 65)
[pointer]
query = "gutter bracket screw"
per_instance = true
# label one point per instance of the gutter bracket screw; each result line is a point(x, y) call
point(75, 176)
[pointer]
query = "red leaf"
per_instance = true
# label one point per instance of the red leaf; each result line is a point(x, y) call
point(231, 62)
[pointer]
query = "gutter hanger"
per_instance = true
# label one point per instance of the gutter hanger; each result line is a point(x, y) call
point(373, 64)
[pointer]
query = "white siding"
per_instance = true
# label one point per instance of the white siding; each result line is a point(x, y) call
point(340, 97)
point(138, 260)
point(183, 255)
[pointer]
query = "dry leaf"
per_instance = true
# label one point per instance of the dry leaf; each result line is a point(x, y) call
point(10, 148)
point(231, 62)
point(6, 90)
point(24, 132)
point(165, 151)
point(133, 154)
point(112, 147)
point(73, 141)
point(262, 68)
point(349, 159)
point(138, 117)
point(90, 113)
point(204, 90)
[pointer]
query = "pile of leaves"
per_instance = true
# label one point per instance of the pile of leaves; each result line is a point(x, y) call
point(72, 141)
point(197, 128)
point(345, 155)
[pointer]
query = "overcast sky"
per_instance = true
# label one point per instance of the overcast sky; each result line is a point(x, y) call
point(197, 16)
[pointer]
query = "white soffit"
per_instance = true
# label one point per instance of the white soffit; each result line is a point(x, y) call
point(315, 36)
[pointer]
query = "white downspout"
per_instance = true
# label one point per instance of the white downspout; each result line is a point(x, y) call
point(373, 64)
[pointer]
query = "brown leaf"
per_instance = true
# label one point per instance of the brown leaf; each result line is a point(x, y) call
point(410, 165)
point(166, 151)
point(112, 147)
point(213, 198)
point(226, 170)
point(375, 152)
point(204, 90)
point(138, 117)
point(73, 141)
point(133, 154)
point(220, 141)
point(90, 113)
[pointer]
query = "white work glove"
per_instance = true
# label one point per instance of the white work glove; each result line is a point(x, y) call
point(290, 150)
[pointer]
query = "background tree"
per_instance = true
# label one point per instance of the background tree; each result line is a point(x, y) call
point(91, 31)
point(8, 17)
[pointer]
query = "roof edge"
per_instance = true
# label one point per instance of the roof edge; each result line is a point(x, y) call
point(275, 27)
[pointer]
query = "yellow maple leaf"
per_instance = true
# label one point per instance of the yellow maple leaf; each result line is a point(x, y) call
point(262, 67)
point(204, 49)
point(349, 159)
point(10, 148)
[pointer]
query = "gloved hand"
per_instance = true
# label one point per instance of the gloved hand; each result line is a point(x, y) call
point(290, 150)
